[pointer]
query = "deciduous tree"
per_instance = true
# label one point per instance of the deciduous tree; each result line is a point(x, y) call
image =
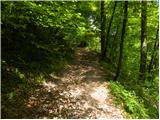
point(143, 53)
point(122, 39)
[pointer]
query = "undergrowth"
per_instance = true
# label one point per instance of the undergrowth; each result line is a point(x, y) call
point(19, 82)
point(131, 102)
point(140, 99)
point(140, 102)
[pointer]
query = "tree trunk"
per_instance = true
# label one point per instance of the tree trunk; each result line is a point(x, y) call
point(143, 41)
point(113, 46)
point(109, 27)
point(113, 52)
point(122, 39)
point(103, 24)
point(153, 52)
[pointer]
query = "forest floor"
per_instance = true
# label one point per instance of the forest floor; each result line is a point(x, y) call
point(80, 91)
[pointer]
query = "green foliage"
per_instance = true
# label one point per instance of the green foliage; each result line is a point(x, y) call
point(34, 43)
point(141, 100)
point(94, 44)
point(39, 38)
point(129, 77)
point(133, 104)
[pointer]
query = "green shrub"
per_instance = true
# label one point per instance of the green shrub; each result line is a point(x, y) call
point(131, 102)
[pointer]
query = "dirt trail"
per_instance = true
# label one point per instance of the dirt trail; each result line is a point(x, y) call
point(81, 91)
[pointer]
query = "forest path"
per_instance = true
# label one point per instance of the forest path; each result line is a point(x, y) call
point(81, 91)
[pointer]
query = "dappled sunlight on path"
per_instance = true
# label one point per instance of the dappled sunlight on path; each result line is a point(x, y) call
point(81, 91)
point(100, 94)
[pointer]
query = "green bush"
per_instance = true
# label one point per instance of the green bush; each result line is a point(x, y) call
point(133, 104)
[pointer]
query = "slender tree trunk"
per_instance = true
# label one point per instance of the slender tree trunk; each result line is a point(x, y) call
point(103, 24)
point(114, 47)
point(109, 27)
point(143, 41)
point(122, 39)
point(114, 40)
point(155, 60)
point(153, 52)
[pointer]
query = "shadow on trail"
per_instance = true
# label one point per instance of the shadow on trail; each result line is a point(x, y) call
point(80, 91)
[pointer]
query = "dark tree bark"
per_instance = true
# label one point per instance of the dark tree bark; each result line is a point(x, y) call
point(153, 52)
point(143, 41)
point(114, 43)
point(109, 27)
point(113, 46)
point(103, 24)
point(122, 39)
